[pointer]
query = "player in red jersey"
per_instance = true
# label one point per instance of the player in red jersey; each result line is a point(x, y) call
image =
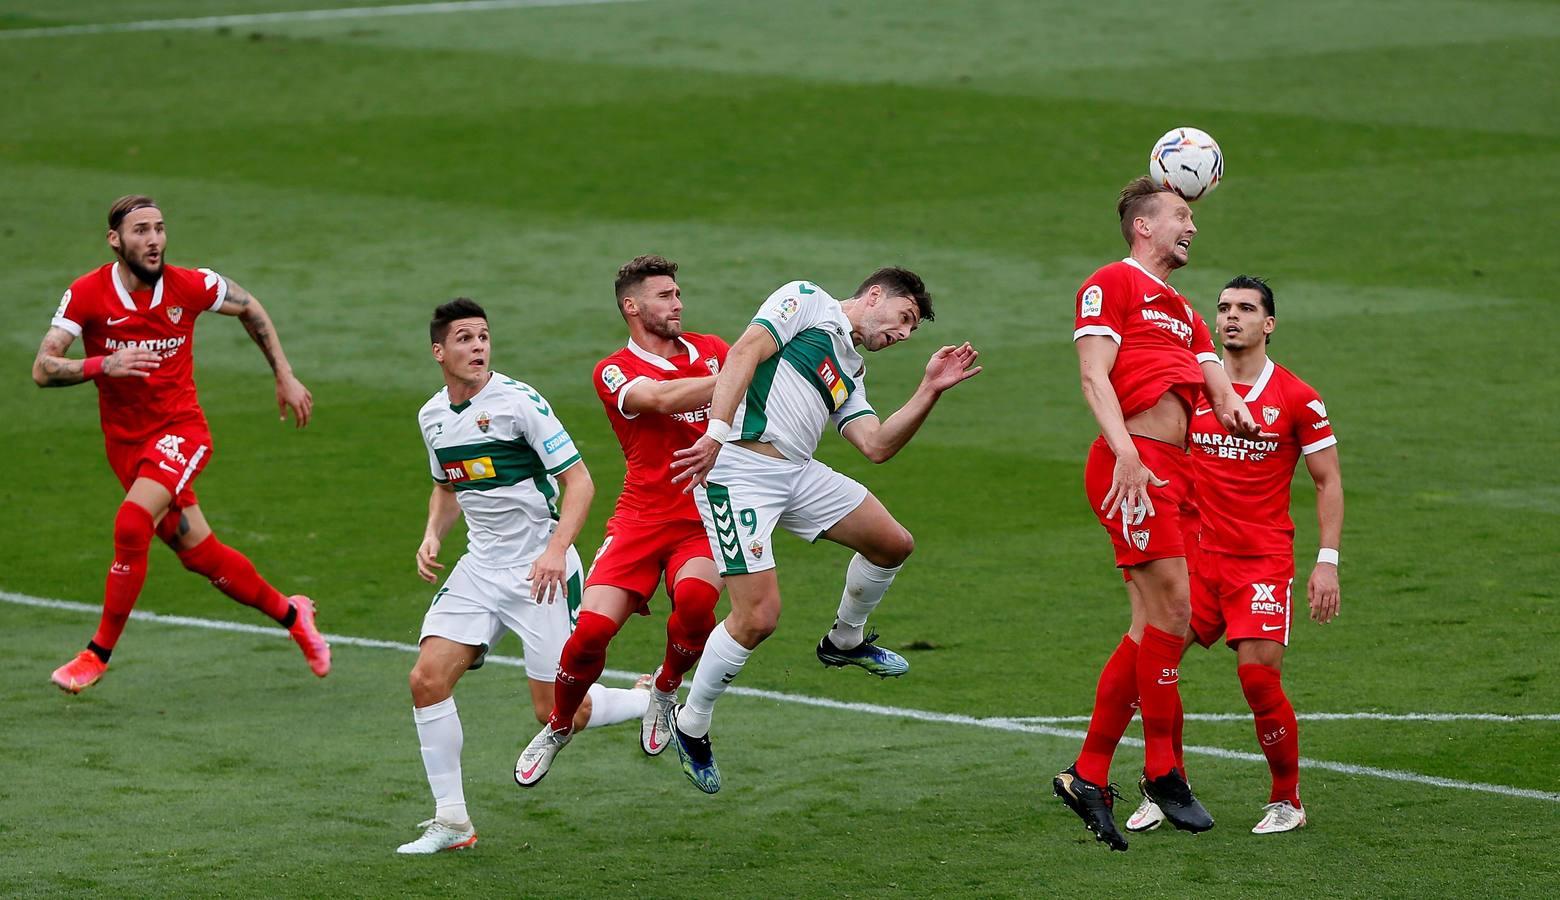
point(656, 392)
point(136, 317)
point(1145, 359)
point(1243, 582)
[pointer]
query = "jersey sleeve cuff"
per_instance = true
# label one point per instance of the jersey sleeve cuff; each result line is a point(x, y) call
point(1098, 330)
point(221, 294)
point(68, 325)
point(1206, 357)
point(773, 332)
point(853, 417)
point(566, 464)
point(1323, 444)
point(623, 393)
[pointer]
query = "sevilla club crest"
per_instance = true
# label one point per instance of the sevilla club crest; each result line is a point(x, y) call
point(712, 364)
point(1270, 414)
point(175, 313)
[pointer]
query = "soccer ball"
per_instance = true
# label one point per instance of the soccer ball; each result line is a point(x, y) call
point(1187, 161)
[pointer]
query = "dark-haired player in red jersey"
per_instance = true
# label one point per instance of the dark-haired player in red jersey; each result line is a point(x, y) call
point(656, 392)
point(1145, 360)
point(1243, 580)
point(136, 317)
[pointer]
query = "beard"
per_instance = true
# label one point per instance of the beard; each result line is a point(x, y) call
point(142, 273)
point(665, 329)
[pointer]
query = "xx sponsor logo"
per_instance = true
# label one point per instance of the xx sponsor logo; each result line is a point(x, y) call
point(170, 446)
point(175, 313)
point(1093, 302)
point(831, 380)
point(1265, 602)
point(1270, 414)
point(561, 439)
point(470, 470)
point(1140, 540)
point(1318, 407)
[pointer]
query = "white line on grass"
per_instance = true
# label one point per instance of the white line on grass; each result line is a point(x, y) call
point(301, 15)
point(1330, 717)
point(1026, 725)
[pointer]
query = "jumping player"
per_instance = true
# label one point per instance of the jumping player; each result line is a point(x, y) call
point(656, 392)
point(136, 317)
point(1243, 583)
point(497, 453)
point(1145, 360)
point(795, 369)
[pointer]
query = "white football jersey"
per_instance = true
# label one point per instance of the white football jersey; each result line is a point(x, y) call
point(501, 450)
point(817, 376)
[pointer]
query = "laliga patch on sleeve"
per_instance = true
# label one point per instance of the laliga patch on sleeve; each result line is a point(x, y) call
point(64, 302)
point(788, 308)
point(613, 378)
point(1093, 301)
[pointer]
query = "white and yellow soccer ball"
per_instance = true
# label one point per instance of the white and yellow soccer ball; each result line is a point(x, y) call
point(1187, 161)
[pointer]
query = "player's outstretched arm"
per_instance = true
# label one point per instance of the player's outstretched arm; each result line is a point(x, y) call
point(290, 392)
point(51, 368)
point(1228, 405)
point(443, 510)
point(879, 441)
point(549, 574)
point(1322, 590)
point(667, 397)
point(693, 464)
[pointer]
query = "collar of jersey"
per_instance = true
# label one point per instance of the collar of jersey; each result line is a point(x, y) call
point(458, 408)
point(1262, 380)
point(1139, 266)
point(659, 362)
point(124, 295)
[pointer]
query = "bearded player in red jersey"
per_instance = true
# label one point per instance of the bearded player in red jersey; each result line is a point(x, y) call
point(1243, 583)
point(137, 318)
point(656, 392)
point(1145, 359)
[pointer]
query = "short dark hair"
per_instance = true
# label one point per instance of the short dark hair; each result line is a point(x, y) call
point(446, 313)
point(900, 282)
point(634, 273)
point(126, 205)
point(1134, 201)
point(1260, 285)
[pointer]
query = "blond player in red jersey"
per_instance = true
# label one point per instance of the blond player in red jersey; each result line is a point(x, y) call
point(1145, 359)
point(1243, 580)
point(656, 392)
point(136, 317)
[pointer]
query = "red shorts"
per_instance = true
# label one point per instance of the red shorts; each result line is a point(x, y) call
point(1142, 538)
point(636, 555)
point(1242, 597)
point(172, 459)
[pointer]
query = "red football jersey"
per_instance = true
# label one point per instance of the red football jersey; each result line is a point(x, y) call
point(106, 317)
point(1243, 485)
point(1162, 339)
point(649, 440)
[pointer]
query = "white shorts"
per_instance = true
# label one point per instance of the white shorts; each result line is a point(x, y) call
point(748, 494)
point(477, 604)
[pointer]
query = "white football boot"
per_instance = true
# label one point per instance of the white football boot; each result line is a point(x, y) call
point(655, 729)
point(1279, 817)
point(440, 836)
point(538, 755)
point(1147, 818)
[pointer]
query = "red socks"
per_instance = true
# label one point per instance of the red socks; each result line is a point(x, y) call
point(1115, 700)
point(1159, 698)
point(133, 532)
point(687, 628)
point(580, 664)
point(1277, 731)
point(233, 574)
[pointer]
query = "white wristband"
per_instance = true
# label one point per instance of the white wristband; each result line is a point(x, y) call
point(1327, 555)
point(718, 431)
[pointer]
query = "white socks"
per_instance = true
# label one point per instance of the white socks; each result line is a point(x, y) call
point(438, 729)
point(609, 706)
point(722, 661)
point(865, 585)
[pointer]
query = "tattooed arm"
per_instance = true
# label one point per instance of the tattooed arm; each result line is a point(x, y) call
point(290, 392)
point(51, 368)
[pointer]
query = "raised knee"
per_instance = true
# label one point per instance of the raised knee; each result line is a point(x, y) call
point(893, 552)
point(426, 689)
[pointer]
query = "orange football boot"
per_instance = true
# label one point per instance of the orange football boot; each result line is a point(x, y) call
point(309, 640)
point(81, 672)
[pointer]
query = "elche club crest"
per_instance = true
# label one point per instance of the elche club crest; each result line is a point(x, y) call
point(757, 549)
point(1270, 414)
point(175, 313)
point(484, 421)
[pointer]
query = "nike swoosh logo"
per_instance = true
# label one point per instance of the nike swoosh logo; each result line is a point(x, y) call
point(1203, 411)
point(531, 771)
point(167, 467)
point(1272, 628)
point(1171, 681)
point(118, 320)
point(1150, 298)
point(656, 741)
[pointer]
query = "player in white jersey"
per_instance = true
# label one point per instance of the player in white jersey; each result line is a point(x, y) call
point(498, 455)
point(795, 369)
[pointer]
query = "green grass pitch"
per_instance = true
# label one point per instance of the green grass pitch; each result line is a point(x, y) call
point(1392, 167)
